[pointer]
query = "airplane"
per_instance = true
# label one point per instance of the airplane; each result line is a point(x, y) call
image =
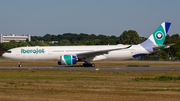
point(69, 55)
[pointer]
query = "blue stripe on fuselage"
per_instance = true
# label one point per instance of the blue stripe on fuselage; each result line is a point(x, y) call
point(148, 44)
point(141, 54)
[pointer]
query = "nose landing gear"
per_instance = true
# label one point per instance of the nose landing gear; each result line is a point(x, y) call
point(19, 64)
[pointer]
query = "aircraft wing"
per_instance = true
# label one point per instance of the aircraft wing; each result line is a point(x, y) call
point(98, 52)
point(159, 47)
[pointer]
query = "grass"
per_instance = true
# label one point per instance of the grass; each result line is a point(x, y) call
point(48, 85)
point(161, 78)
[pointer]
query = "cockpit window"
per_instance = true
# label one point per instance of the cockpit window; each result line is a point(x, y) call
point(8, 51)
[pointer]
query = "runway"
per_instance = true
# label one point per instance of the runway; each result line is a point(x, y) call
point(95, 68)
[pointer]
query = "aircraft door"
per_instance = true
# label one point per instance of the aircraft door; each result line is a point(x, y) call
point(49, 51)
point(138, 50)
point(18, 51)
point(98, 48)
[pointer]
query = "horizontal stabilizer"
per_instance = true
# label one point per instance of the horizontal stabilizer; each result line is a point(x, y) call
point(164, 46)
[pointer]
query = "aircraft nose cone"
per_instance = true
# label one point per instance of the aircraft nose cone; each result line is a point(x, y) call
point(4, 55)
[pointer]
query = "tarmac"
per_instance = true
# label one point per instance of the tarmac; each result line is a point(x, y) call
point(131, 68)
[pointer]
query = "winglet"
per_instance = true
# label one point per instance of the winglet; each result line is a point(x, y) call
point(129, 46)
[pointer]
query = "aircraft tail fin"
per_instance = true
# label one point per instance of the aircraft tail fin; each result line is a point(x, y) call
point(159, 35)
point(157, 38)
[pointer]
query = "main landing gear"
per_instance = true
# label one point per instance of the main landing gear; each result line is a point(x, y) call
point(19, 64)
point(88, 64)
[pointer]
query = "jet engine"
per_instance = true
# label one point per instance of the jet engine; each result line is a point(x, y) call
point(67, 60)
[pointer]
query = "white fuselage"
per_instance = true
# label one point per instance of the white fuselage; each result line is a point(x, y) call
point(53, 53)
point(68, 55)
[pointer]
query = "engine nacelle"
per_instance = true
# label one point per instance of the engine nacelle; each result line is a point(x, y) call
point(67, 60)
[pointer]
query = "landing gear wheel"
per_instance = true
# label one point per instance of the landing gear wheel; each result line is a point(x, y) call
point(85, 64)
point(92, 65)
point(20, 65)
point(89, 65)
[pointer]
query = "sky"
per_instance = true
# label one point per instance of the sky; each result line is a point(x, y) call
point(106, 17)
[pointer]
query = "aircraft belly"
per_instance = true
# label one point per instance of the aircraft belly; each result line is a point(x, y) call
point(100, 57)
point(33, 57)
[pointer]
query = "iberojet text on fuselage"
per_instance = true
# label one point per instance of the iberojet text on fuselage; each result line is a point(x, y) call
point(35, 51)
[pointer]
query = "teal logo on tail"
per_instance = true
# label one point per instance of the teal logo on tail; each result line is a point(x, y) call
point(159, 35)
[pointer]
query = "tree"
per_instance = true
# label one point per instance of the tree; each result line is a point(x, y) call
point(96, 41)
point(163, 54)
point(12, 41)
point(175, 37)
point(7, 46)
point(31, 43)
point(47, 37)
point(53, 38)
point(113, 37)
point(103, 37)
point(64, 42)
point(39, 43)
point(1, 49)
point(129, 37)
